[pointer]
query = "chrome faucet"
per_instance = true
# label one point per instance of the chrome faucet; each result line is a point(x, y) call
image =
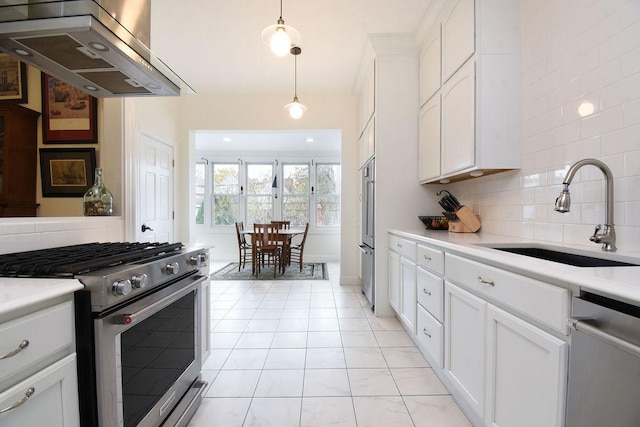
point(604, 233)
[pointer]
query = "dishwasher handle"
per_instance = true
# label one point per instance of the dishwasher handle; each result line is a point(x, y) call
point(581, 324)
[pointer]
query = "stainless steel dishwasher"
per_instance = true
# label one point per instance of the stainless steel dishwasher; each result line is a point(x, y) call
point(604, 363)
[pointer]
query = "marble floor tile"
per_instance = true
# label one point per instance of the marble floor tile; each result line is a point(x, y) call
point(280, 383)
point(322, 324)
point(385, 324)
point(285, 358)
point(248, 358)
point(393, 339)
point(224, 339)
point(216, 359)
point(241, 383)
point(354, 325)
point(324, 339)
point(228, 412)
point(289, 340)
point(327, 411)
point(231, 325)
point(404, 357)
point(274, 412)
point(255, 340)
point(417, 381)
point(323, 358)
point(293, 325)
point(372, 382)
point(383, 411)
point(322, 313)
point(358, 339)
point(326, 382)
point(429, 411)
point(262, 325)
point(364, 358)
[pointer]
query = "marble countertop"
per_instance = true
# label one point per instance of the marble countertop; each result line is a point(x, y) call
point(621, 283)
point(17, 294)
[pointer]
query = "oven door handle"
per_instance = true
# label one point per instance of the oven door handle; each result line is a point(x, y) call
point(581, 325)
point(131, 319)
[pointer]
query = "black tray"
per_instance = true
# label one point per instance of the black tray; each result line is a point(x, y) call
point(428, 221)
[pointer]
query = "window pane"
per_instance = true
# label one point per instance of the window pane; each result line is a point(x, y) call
point(295, 209)
point(225, 194)
point(296, 179)
point(259, 179)
point(329, 179)
point(328, 211)
point(259, 209)
point(200, 175)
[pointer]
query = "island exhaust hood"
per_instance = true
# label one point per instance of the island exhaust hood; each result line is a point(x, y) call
point(101, 47)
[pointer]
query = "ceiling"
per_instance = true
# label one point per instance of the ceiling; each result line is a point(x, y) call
point(216, 46)
point(311, 140)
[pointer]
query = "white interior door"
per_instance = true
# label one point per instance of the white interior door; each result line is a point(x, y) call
point(155, 196)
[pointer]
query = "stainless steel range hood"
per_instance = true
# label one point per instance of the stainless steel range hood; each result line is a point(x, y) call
point(101, 47)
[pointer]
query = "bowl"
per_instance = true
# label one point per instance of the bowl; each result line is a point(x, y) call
point(435, 222)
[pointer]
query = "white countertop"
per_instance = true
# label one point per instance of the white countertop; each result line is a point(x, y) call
point(617, 282)
point(17, 294)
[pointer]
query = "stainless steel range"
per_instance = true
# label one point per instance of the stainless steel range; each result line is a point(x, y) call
point(138, 327)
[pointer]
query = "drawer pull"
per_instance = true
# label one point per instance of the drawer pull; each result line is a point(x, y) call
point(428, 258)
point(20, 402)
point(399, 245)
point(486, 282)
point(24, 344)
point(426, 332)
point(426, 291)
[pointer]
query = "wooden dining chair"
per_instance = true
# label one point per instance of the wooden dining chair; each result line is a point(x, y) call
point(243, 246)
point(296, 252)
point(282, 225)
point(267, 250)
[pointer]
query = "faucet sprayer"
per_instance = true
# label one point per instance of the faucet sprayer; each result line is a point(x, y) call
point(604, 233)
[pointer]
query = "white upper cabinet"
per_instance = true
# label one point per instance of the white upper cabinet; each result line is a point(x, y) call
point(430, 67)
point(479, 87)
point(458, 37)
point(429, 155)
point(366, 100)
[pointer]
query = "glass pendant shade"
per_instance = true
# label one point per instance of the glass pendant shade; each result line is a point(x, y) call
point(295, 109)
point(280, 38)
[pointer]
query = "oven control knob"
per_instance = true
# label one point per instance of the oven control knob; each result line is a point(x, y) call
point(140, 280)
point(195, 260)
point(172, 268)
point(203, 257)
point(121, 287)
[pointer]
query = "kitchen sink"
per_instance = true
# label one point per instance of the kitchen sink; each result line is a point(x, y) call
point(570, 257)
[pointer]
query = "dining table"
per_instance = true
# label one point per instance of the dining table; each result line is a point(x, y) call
point(284, 235)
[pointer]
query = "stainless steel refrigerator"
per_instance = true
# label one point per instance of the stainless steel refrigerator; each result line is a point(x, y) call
point(367, 245)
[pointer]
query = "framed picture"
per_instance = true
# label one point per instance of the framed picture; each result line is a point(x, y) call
point(68, 114)
point(13, 80)
point(67, 172)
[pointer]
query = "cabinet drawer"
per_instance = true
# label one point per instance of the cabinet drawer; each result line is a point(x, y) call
point(540, 301)
point(430, 291)
point(48, 331)
point(432, 259)
point(404, 247)
point(430, 335)
point(53, 402)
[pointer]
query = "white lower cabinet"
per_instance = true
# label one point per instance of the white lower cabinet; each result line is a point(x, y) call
point(394, 281)
point(408, 301)
point(526, 372)
point(402, 280)
point(464, 344)
point(49, 398)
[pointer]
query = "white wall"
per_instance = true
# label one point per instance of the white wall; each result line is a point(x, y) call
point(572, 51)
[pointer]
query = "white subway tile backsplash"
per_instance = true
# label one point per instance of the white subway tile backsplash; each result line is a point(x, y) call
point(632, 161)
point(621, 141)
point(631, 112)
point(600, 123)
point(631, 62)
point(632, 214)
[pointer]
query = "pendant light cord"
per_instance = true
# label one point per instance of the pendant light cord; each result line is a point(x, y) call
point(280, 9)
point(295, 76)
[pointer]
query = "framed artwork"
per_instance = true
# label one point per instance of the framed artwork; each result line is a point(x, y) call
point(13, 80)
point(68, 114)
point(67, 172)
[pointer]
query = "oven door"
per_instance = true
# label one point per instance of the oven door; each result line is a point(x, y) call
point(148, 355)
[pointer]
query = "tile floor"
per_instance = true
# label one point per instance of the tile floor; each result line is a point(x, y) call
point(310, 353)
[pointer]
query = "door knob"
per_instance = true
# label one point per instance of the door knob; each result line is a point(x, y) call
point(145, 228)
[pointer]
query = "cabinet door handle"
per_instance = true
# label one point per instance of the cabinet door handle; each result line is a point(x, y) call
point(428, 258)
point(399, 245)
point(24, 344)
point(426, 291)
point(20, 402)
point(485, 281)
point(426, 332)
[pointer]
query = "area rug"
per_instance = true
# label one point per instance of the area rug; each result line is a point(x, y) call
point(310, 271)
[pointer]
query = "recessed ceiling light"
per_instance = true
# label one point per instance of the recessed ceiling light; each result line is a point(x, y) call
point(445, 181)
point(99, 46)
point(476, 174)
point(309, 139)
point(22, 52)
point(226, 139)
point(91, 88)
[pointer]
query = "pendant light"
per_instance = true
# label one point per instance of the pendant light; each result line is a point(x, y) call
point(280, 37)
point(295, 109)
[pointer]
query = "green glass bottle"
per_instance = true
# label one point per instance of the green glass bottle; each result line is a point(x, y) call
point(98, 201)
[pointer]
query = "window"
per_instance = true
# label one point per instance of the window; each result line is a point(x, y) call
point(201, 179)
point(328, 179)
point(237, 190)
point(295, 194)
point(259, 193)
point(226, 201)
